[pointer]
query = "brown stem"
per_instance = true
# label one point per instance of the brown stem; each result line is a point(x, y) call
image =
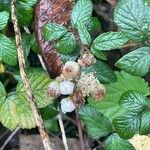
point(29, 92)
point(80, 131)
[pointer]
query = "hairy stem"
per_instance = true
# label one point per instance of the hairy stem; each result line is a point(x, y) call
point(29, 92)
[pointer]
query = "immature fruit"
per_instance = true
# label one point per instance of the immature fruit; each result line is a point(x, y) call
point(67, 105)
point(71, 69)
point(78, 98)
point(53, 89)
point(67, 87)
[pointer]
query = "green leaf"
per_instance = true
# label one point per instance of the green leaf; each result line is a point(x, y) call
point(84, 34)
point(67, 44)
point(127, 124)
point(16, 112)
point(133, 101)
point(4, 16)
point(26, 38)
point(136, 62)
point(99, 54)
point(96, 123)
point(39, 84)
point(8, 52)
point(125, 82)
point(24, 13)
point(110, 109)
point(4, 5)
point(102, 72)
point(81, 12)
point(53, 31)
point(108, 41)
point(93, 25)
point(114, 142)
point(30, 2)
point(132, 17)
point(34, 45)
point(2, 93)
point(145, 123)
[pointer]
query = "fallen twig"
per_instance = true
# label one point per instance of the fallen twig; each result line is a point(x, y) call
point(9, 138)
point(29, 93)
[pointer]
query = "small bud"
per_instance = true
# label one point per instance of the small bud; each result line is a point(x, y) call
point(67, 87)
point(99, 92)
point(53, 89)
point(71, 69)
point(67, 105)
point(78, 98)
point(87, 60)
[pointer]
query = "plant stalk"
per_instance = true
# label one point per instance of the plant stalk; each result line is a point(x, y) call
point(27, 86)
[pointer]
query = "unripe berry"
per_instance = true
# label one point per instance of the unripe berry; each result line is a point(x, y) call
point(71, 69)
point(67, 87)
point(53, 89)
point(67, 105)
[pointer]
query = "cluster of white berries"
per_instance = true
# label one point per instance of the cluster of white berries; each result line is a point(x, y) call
point(86, 85)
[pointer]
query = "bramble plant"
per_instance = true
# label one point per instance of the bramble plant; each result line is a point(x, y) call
point(112, 103)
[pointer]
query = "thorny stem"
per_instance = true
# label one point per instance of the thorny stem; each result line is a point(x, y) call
point(29, 93)
point(80, 131)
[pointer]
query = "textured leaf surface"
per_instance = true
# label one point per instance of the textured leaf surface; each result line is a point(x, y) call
point(39, 83)
point(102, 71)
point(84, 34)
point(30, 2)
point(145, 123)
point(8, 52)
point(24, 13)
point(81, 12)
point(67, 44)
point(109, 41)
point(127, 124)
point(4, 16)
point(133, 101)
point(136, 62)
point(132, 17)
point(98, 54)
point(53, 31)
point(97, 124)
point(125, 82)
point(16, 112)
point(2, 94)
point(114, 142)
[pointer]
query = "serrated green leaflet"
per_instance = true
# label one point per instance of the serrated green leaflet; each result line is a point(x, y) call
point(96, 123)
point(114, 142)
point(2, 94)
point(81, 12)
point(145, 123)
point(99, 54)
point(8, 52)
point(108, 41)
point(108, 108)
point(16, 112)
point(67, 44)
point(102, 71)
point(133, 18)
point(125, 82)
point(94, 24)
point(133, 101)
point(30, 2)
point(24, 13)
point(4, 16)
point(136, 62)
point(127, 124)
point(39, 84)
point(53, 31)
point(84, 34)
